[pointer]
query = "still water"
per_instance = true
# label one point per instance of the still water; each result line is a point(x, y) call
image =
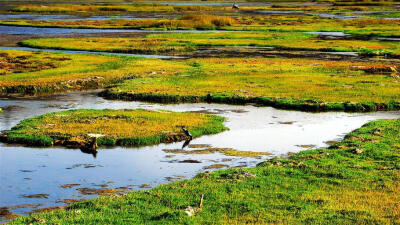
point(35, 177)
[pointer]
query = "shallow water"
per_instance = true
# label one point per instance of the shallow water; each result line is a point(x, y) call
point(27, 171)
point(88, 52)
point(330, 33)
point(45, 30)
point(64, 17)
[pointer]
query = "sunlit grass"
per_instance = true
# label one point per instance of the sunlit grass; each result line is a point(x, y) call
point(121, 127)
point(188, 42)
point(310, 83)
point(303, 84)
point(80, 71)
point(322, 186)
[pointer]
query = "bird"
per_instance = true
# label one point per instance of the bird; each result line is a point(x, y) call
point(235, 6)
point(186, 143)
point(187, 133)
point(90, 147)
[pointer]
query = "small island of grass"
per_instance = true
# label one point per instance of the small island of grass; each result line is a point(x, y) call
point(113, 127)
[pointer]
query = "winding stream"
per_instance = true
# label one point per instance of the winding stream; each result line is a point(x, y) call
point(32, 178)
point(27, 172)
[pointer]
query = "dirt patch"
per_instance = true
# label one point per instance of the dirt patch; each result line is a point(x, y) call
point(36, 196)
point(190, 161)
point(5, 213)
point(199, 146)
point(306, 146)
point(215, 166)
point(67, 201)
point(69, 185)
point(98, 191)
point(225, 151)
point(83, 165)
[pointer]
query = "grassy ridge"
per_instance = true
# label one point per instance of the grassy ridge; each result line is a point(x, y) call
point(300, 84)
point(320, 186)
point(189, 42)
point(33, 75)
point(116, 127)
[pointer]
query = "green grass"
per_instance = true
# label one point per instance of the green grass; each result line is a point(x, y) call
point(25, 72)
point(300, 84)
point(115, 127)
point(356, 181)
point(190, 42)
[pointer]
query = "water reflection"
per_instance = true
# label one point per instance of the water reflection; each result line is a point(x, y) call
point(32, 171)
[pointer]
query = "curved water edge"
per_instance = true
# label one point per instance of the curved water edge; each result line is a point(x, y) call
point(66, 17)
point(90, 52)
point(198, 52)
point(30, 30)
point(30, 171)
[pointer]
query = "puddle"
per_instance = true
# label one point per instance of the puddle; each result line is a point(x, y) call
point(45, 30)
point(337, 16)
point(119, 169)
point(330, 33)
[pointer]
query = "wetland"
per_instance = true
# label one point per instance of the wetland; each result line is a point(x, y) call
point(199, 113)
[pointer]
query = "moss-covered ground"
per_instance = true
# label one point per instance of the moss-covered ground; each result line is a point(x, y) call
point(302, 84)
point(113, 127)
point(355, 181)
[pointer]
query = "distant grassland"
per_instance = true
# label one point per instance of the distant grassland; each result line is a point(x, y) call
point(71, 71)
point(302, 84)
point(290, 23)
point(188, 42)
point(116, 127)
point(355, 181)
point(115, 8)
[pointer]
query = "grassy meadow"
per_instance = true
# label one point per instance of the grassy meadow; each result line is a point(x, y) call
point(115, 127)
point(354, 181)
point(25, 72)
point(190, 42)
point(302, 84)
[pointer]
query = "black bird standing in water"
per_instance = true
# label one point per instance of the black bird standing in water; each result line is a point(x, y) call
point(90, 147)
point(187, 133)
point(235, 6)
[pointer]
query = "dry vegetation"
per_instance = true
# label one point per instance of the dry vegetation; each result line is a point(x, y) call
point(20, 63)
point(115, 127)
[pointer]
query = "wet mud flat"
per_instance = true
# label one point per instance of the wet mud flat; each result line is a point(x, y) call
point(72, 175)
